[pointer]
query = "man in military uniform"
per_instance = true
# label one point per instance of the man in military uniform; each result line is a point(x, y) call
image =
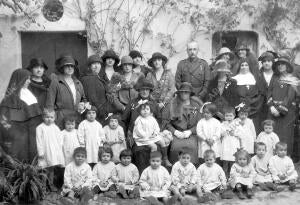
point(193, 70)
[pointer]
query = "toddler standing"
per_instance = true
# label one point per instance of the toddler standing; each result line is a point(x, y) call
point(209, 131)
point(91, 135)
point(49, 144)
point(114, 136)
point(268, 137)
point(126, 176)
point(230, 139)
point(282, 167)
point(246, 129)
point(242, 174)
point(78, 176)
point(183, 175)
point(146, 131)
point(70, 138)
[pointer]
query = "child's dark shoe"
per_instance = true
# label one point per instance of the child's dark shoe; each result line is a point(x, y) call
point(173, 200)
point(123, 193)
point(203, 199)
point(249, 193)
point(110, 194)
point(227, 194)
point(274, 187)
point(292, 186)
point(240, 194)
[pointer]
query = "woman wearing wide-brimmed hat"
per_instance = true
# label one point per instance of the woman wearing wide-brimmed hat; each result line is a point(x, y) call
point(110, 65)
point(65, 91)
point(140, 153)
point(267, 77)
point(137, 58)
point(242, 52)
point(94, 87)
point(180, 117)
point(222, 89)
point(124, 88)
point(224, 54)
point(162, 79)
point(281, 100)
point(19, 113)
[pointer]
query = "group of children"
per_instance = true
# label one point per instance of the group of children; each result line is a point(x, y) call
point(96, 159)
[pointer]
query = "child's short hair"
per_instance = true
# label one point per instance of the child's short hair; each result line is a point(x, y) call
point(184, 151)
point(47, 111)
point(208, 153)
point(80, 150)
point(70, 118)
point(229, 109)
point(268, 122)
point(143, 106)
point(280, 145)
point(260, 144)
point(111, 116)
point(242, 152)
point(125, 153)
point(211, 107)
point(155, 154)
point(105, 149)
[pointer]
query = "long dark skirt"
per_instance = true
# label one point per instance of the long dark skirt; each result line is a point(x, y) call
point(284, 127)
point(32, 124)
point(190, 143)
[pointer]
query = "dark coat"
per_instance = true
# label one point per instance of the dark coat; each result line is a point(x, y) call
point(196, 72)
point(60, 98)
point(40, 90)
point(95, 92)
point(229, 96)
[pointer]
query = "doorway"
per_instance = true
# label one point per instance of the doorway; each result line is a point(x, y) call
point(231, 38)
point(50, 45)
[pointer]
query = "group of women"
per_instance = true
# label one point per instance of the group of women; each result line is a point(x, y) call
point(117, 86)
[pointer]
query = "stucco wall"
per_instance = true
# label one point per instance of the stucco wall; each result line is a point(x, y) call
point(11, 25)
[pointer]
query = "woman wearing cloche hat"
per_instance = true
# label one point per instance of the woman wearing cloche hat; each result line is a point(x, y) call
point(65, 91)
point(110, 65)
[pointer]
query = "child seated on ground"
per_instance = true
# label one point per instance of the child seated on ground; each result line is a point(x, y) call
point(155, 180)
point(126, 176)
point(91, 135)
point(246, 129)
point(230, 139)
point(70, 138)
point(114, 136)
point(209, 132)
point(183, 175)
point(242, 175)
point(260, 163)
point(282, 167)
point(102, 174)
point(211, 177)
point(268, 137)
point(146, 131)
point(78, 176)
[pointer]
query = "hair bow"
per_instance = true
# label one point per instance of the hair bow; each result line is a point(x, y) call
point(87, 105)
point(240, 106)
point(141, 102)
point(108, 115)
point(202, 108)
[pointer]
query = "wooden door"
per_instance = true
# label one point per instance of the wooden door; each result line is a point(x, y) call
point(50, 45)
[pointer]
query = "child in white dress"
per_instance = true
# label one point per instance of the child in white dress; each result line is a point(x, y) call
point(246, 129)
point(242, 174)
point(146, 131)
point(183, 175)
point(282, 167)
point(155, 180)
point(260, 163)
point(114, 136)
point(126, 176)
point(211, 177)
point(49, 144)
point(230, 139)
point(209, 132)
point(78, 176)
point(70, 138)
point(102, 174)
point(91, 135)
point(268, 137)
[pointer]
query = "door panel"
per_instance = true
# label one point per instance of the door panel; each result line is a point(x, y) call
point(50, 45)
